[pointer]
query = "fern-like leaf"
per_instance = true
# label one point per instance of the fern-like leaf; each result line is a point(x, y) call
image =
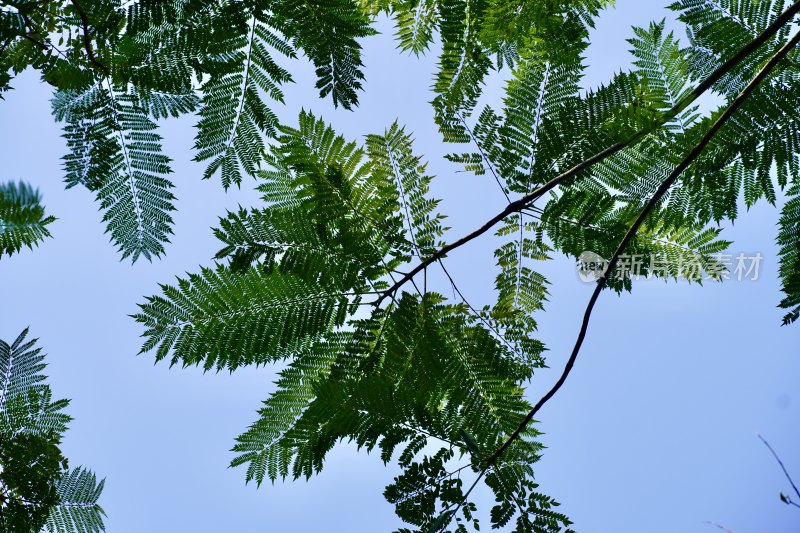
point(23, 221)
point(416, 23)
point(115, 152)
point(29, 416)
point(789, 242)
point(392, 155)
point(77, 510)
point(225, 319)
point(462, 64)
point(718, 29)
point(234, 118)
point(328, 32)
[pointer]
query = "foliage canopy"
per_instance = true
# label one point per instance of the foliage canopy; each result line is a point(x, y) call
point(430, 380)
point(323, 276)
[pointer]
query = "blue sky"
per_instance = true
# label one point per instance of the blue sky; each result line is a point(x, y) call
point(655, 430)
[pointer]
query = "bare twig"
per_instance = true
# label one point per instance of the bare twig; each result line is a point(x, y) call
point(482, 154)
point(477, 313)
point(30, 34)
point(39, 44)
point(718, 526)
point(785, 472)
point(537, 214)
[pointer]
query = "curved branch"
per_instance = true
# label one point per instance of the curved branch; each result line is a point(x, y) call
point(785, 472)
point(686, 101)
point(651, 204)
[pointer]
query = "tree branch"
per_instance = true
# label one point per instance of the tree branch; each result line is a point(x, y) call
point(87, 40)
point(525, 201)
point(651, 204)
point(477, 314)
point(601, 283)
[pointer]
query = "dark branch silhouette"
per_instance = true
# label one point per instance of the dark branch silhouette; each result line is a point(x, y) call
point(87, 39)
point(786, 499)
point(651, 204)
point(719, 526)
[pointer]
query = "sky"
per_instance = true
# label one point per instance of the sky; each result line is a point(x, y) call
point(655, 430)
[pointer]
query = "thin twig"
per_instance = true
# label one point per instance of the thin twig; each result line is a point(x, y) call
point(458, 504)
point(538, 214)
point(436, 481)
point(42, 45)
point(686, 101)
point(31, 32)
point(601, 283)
point(482, 154)
point(723, 528)
point(785, 472)
point(477, 314)
point(39, 44)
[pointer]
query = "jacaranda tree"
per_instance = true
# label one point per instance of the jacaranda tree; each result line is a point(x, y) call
point(328, 275)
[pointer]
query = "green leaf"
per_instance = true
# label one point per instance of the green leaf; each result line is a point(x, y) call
point(233, 116)
point(328, 32)
point(22, 218)
point(77, 510)
point(115, 152)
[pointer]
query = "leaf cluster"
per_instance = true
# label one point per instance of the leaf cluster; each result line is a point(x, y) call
point(23, 221)
point(38, 490)
point(311, 277)
point(119, 67)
